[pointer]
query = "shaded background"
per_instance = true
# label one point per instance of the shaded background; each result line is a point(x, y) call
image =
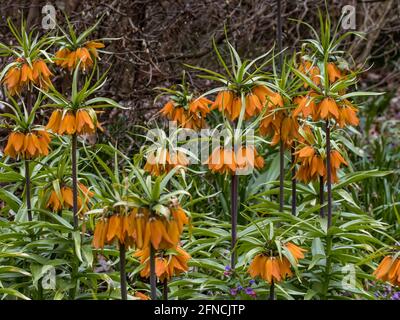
point(157, 37)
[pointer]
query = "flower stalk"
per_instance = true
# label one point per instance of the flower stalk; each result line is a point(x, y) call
point(234, 216)
point(153, 279)
point(321, 196)
point(165, 289)
point(74, 182)
point(272, 290)
point(294, 181)
point(28, 190)
point(122, 271)
point(329, 173)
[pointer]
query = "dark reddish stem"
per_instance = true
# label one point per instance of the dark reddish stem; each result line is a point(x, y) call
point(272, 290)
point(122, 271)
point(294, 181)
point(329, 172)
point(153, 280)
point(28, 190)
point(321, 196)
point(234, 216)
point(165, 289)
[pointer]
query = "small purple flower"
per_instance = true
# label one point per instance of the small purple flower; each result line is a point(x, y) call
point(250, 292)
point(251, 282)
point(239, 288)
point(228, 271)
point(233, 292)
point(396, 296)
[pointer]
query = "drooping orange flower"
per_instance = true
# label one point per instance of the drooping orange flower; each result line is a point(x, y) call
point(224, 102)
point(348, 115)
point(80, 122)
point(274, 268)
point(64, 200)
point(141, 296)
point(389, 270)
point(30, 145)
point(278, 123)
point(159, 231)
point(296, 251)
point(152, 229)
point(333, 72)
point(69, 59)
point(328, 109)
point(164, 161)
point(190, 117)
point(231, 104)
point(281, 126)
point(168, 263)
point(24, 75)
point(336, 161)
point(118, 228)
point(313, 164)
point(312, 71)
point(223, 160)
point(92, 46)
point(176, 224)
point(305, 106)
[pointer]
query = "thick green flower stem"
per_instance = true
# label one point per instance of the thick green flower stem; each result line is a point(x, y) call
point(74, 182)
point(165, 289)
point(153, 279)
point(321, 196)
point(28, 190)
point(329, 173)
point(294, 182)
point(234, 216)
point(272, 290)
point(122, 271)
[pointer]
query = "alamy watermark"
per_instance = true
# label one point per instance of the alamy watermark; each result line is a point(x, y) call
point(349, 17)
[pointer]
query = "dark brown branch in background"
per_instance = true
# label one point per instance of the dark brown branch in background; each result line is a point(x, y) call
point(157, 37)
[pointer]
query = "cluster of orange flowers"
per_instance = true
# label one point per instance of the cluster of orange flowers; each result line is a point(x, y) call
point(57, 203)
point(29, 145)
point(389, 270)
point(342, 111)
point(168, 263)
point(118, 227)
point(141, 228)
point(223, 160)
point(160, 232)
point(312, 164)
point(275, 268)
point(278, 123)
point(79, 122)
point(164, 162)
point(230, 103)
point(192, 117)
point(23, 75)
point(69, 59)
